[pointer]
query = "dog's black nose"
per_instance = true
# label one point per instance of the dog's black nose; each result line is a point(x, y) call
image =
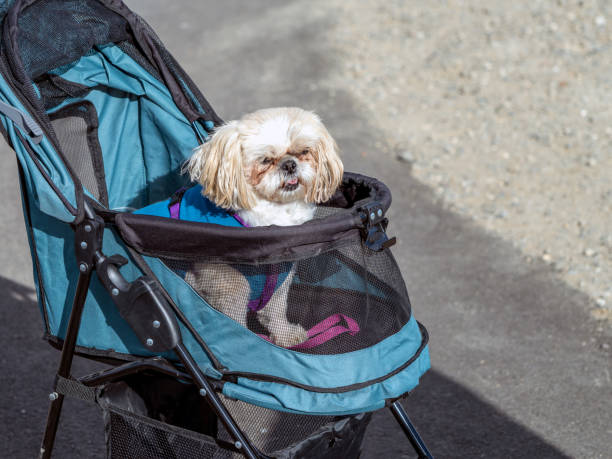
point(289, 166)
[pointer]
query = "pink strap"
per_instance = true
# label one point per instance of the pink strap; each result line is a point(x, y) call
point(326, 330)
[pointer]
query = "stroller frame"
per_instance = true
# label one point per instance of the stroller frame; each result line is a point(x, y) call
point(158, 331)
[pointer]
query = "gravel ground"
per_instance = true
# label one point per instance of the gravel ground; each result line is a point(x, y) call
point(503, 108)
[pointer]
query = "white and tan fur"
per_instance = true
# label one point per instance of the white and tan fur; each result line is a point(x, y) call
point(270, 167)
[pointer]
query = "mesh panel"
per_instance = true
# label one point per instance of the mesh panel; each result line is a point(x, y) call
point(128, 48)
point(76, 132)
point(324, 212)
point(54, 90)
point(339, 301)
point(270, 430)
point(69, 29)
point(150, 416)
point(135, 437)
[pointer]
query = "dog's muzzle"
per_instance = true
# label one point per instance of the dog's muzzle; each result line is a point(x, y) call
point(289, 167)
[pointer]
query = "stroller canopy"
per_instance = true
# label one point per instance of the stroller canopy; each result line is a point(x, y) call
point(74, 63)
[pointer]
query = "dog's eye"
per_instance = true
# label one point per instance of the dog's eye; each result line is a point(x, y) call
point(266, 161)
point(304, 152)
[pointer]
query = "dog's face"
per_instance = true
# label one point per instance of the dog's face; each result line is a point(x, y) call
point(279, 155)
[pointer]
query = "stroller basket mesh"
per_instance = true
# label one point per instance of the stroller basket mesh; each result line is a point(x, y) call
point(141, 424)
point(343, 300)
point(134, 436)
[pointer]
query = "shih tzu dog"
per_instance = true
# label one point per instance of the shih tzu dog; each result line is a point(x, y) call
point(271, 167)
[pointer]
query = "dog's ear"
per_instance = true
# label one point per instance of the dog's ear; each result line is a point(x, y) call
point(329, 168)
point(217, 166)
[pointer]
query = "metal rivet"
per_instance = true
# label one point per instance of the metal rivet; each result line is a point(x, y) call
point(115, 292)
point(149, 342)
point(379, 212)
point(203, 392)
point(88, 228)
point(238, 445)
point(53, 396)
point(372, 216)
point(83, 245)
point(83, 267)
point(156, 324)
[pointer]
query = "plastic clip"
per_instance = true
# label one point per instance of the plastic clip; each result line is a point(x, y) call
point(375, 223)
point(23, 120)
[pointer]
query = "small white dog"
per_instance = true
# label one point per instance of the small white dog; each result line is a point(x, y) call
point(269, 168)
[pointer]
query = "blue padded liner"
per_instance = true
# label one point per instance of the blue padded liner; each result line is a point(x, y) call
point(194, 208)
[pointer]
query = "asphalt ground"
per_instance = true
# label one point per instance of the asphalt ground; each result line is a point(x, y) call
point(518, 368)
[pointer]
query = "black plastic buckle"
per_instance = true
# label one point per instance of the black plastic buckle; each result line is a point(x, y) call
point(375, 224)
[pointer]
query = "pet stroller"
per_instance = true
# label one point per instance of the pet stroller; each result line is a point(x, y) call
point(101, 118)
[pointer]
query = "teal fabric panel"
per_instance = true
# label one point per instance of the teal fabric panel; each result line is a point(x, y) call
point(295, 400)
point(143, 135)
point(159, 208)
point(32, 254)
point(311, 401)
point(102, 327)
point(40, 192)
point(238, 349)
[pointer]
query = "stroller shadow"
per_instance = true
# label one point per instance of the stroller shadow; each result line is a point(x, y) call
point(28, 368)
point(454, 421)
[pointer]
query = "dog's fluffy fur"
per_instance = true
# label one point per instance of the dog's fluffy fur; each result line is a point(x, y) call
point(270, 167)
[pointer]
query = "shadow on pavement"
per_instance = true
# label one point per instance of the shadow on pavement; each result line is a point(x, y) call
point(28, 368)
point(452, 420)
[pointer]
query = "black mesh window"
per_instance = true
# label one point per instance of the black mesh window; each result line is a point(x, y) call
point(76, 127)
point(340, 301)
point(69, 29)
